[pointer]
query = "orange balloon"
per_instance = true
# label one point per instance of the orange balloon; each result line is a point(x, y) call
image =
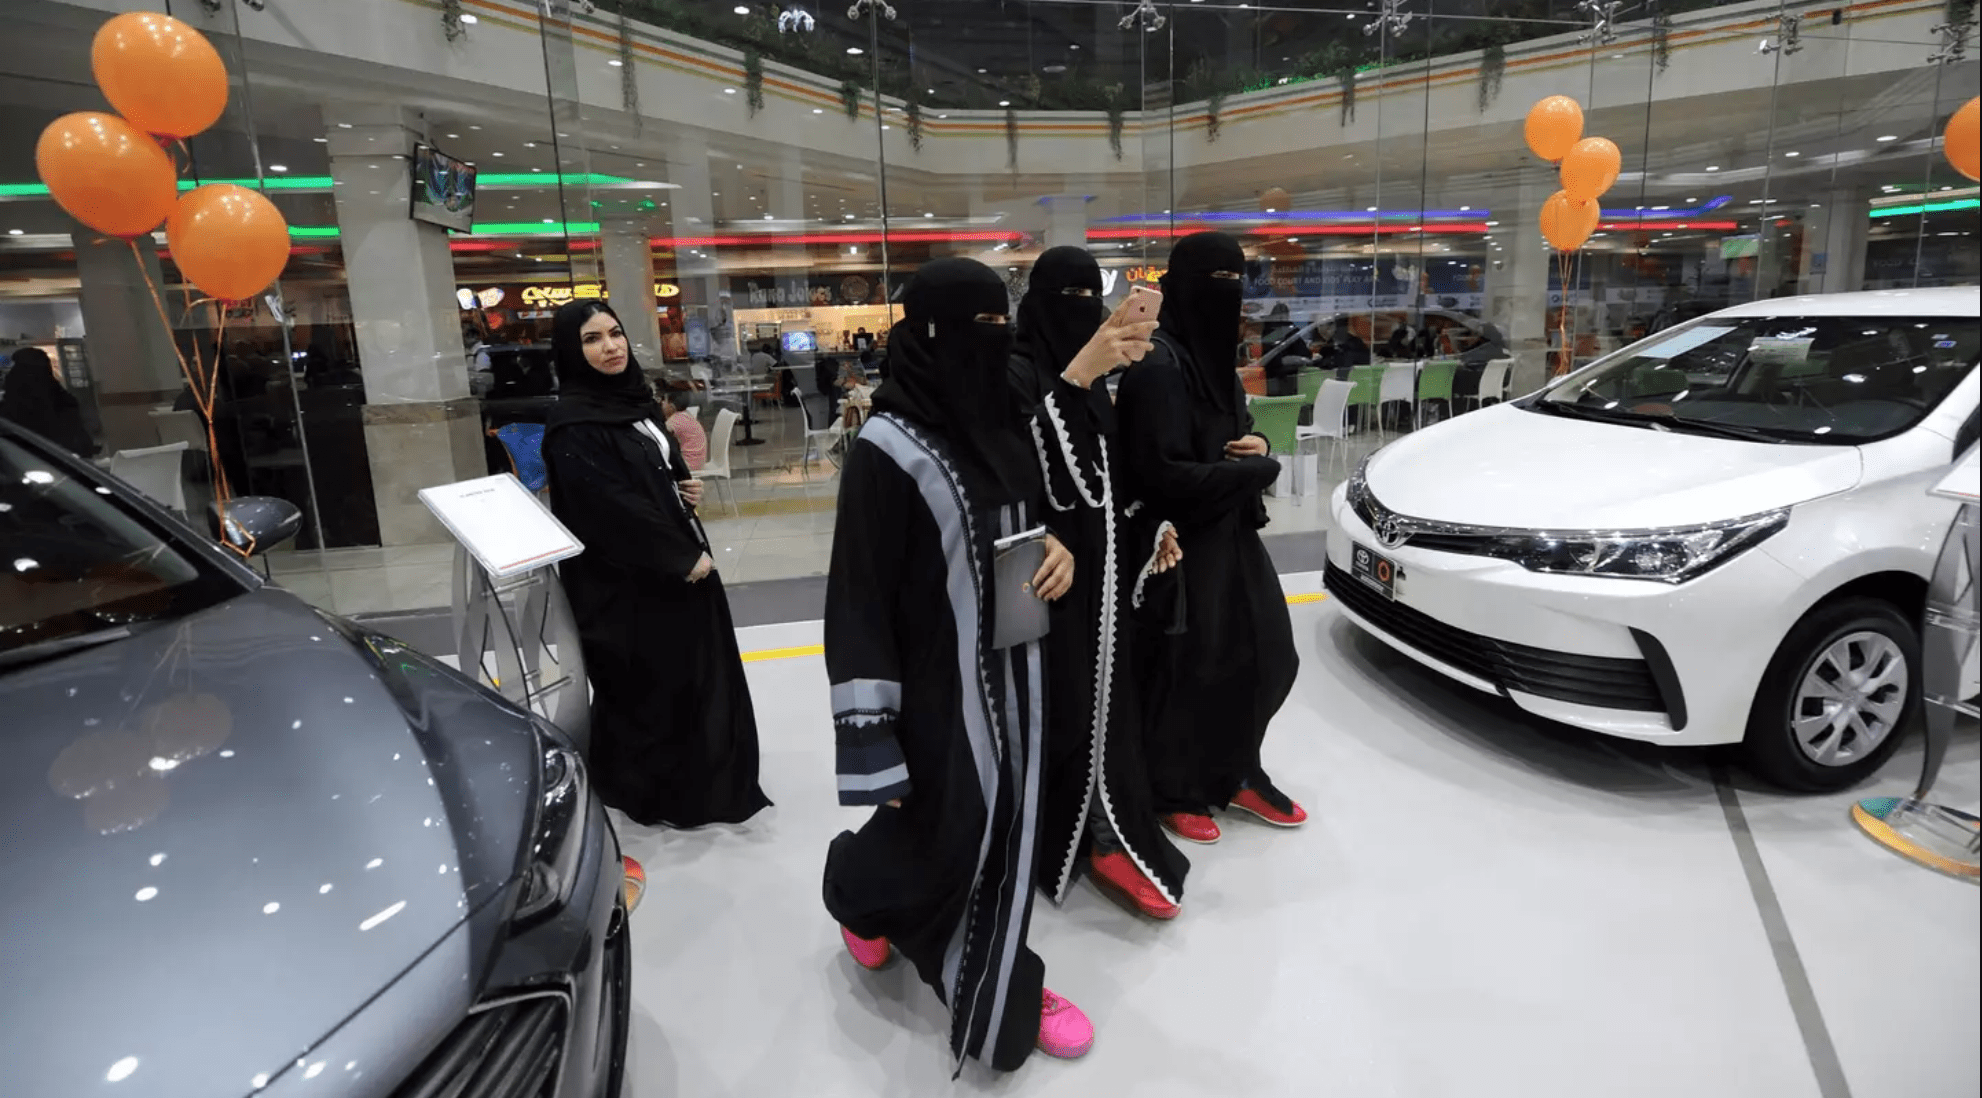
point(1275, 200)
point(229, 241)
point(1961, 141)
point(160, 73)
point(1590, 167)
point(1553, 125)
point(105, 173)
point(1567, 223)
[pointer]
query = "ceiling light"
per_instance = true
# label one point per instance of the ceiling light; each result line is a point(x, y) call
point(495, 154)
point(925, 214)
point(741, 10)
point(278, 167)
point(1004, 102)
point(474, 127)
point(13, 232)
point(1713, 167)
point(1889, 137)
point(321, 140)
point(855, 50)
point(615, 62)
point(818, 110)
point(454, 136)
point(1792, 153)
point(469, 20)
point(729, 91)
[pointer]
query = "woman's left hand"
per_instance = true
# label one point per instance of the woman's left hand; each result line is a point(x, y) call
point(1056, 574)
point(1249, 446)
point(691, 492)
point(1168, 553)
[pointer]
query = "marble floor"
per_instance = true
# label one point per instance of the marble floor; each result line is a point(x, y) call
point(1483, 905)
point(772, 519)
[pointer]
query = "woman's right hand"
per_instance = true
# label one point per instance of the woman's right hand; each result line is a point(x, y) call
point(1119, 342)
point(703, 566)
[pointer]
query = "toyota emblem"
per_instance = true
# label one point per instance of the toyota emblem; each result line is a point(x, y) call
point(1391, 533)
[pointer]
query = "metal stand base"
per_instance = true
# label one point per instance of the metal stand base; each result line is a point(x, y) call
point(1933, 835)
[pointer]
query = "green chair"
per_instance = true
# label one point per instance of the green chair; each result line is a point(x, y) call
point(1435, 383)
point(1368, 382)
point(1277, 419)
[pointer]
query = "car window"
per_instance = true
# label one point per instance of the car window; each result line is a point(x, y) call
point(1836, 380)
point(75, 561)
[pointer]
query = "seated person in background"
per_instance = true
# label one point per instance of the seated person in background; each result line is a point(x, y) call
point(826, 376)
point(687, 429)
point(34, 399)
point(1400, 343)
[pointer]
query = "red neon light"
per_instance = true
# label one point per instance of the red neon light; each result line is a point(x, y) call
point(1634, 226)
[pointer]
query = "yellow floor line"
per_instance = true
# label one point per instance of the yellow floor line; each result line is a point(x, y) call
point(762, 654)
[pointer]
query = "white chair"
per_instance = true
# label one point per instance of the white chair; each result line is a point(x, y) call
point(1400, 383)
point(154, 470)
point(716, 467)
point(175, 425)
point(1493, 382)
point(1331, 421)
point(819, 433)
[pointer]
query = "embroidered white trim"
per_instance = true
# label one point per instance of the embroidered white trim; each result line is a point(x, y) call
point(1135, 596)
point(1073, 464)
point(1045, 466)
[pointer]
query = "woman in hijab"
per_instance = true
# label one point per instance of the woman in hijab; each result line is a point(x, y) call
point(34, 399)
point(1191, 454)
point(1096, 785)
point(674, 739)
point(937, 728)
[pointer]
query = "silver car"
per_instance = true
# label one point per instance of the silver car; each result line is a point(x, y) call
point(252, 848)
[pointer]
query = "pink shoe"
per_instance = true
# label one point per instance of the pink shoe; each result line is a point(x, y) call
point(868, 954)
point(1064, 1031)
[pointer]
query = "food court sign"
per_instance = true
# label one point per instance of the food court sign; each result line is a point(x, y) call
point(556, 294)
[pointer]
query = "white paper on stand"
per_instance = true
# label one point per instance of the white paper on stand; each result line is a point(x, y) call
point(507, 529)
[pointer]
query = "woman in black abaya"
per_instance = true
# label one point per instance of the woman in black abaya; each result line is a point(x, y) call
point(674, 738)
point(1190, 453)
point(936, 728)
point(1098, 789)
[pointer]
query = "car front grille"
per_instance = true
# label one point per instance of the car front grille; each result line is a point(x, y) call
point(509, 1049)
point(1601, 681)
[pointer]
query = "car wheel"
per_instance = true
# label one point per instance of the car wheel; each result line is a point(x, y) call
point(1837, 698)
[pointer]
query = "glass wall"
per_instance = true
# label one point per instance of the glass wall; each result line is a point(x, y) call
point(752, 183)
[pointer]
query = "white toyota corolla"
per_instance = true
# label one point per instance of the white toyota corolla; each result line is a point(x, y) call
point(1720, 534)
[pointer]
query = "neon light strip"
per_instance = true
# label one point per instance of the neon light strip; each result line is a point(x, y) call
point(1708, 206)
point(1648, 226)
point(498, 181)
point(1308, 215)
point(1928, 207)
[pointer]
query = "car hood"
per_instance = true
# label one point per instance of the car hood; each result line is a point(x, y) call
point(1507, 466)
point(227, 833)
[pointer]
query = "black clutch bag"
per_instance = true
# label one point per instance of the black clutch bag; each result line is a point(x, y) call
point(1019, 615)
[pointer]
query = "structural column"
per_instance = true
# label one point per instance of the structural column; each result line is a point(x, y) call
point(1066, 219)
point(691, 217)
point(1517, 280)
point(628, 258)
point(1836, 264)
point(421, 426)
point(131, 360)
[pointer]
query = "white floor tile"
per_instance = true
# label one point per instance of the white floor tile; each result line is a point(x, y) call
point(1481, 907)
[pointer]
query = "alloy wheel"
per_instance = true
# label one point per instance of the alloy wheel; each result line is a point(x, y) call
point(1851, 697)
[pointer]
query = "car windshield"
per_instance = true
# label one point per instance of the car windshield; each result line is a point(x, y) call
point(76, 565)
point(1834, 380)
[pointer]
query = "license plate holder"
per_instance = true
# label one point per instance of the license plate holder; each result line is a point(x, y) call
point(1377, 572)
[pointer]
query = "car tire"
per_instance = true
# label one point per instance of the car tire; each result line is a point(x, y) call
point(1853, 636)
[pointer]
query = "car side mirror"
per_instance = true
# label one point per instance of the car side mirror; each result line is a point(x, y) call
point(255, 524)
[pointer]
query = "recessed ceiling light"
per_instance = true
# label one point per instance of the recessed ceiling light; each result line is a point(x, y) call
point(729, 91)
point(1004, 102)
point(495, 154)
point(278, 167)
point(615, 62)
point(1792, 153)
point(855, 50)
point(469, 20)
point(1889, 137)
point(741, 10)
point(13, 232)
point(321, 140)
point(344, 125)
point(454, 136)
point(474, 127)
point(1713, 167)
point(818, 110)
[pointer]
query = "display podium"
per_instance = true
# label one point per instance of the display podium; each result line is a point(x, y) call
point(1936, 835)
point(513, 628)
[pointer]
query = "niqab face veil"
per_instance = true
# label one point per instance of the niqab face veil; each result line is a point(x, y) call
point(1053, 325)
point(584, 394)
point(948, 371)
point(1201, 311)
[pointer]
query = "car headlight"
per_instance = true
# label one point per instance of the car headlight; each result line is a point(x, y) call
point(1672, 555)
point(557, 831)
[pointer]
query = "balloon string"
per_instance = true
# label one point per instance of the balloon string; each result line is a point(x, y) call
point(202, 384)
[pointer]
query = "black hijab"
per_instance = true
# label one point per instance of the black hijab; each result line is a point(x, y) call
point(1054, 325)
point(584, 395)
point(35, 400)
point(948, 372)
point(1201, 313)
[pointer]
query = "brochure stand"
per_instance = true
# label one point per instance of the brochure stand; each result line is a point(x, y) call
point(513, 627)
point(1935, 835)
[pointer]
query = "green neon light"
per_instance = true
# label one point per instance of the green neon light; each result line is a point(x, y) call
point(521, 228)
point(314, 231)
point(548, 179)
point(1928, 207)
point(324, 182)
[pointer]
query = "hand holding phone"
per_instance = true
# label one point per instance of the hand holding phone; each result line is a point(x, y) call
point(1143, 305)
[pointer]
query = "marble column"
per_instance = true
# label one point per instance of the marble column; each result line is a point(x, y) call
point(421, 426)
point(691, 217)
point(1836, 263)
point(1066, 219)
point(1517, 279)
point(628, 258)
point(131, 360)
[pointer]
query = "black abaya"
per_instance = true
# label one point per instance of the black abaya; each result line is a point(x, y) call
point(674, 737)
point(1211, 689)
point(926, 712)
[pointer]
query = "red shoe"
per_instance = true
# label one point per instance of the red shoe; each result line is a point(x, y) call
point(1262, 803)
point(870, 954)
point(1192, 827)
point(1117, 875)
point(1064, 1030)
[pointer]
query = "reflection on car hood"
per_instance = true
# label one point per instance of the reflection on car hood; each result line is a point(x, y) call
point(224, 835)
point(1506, 466)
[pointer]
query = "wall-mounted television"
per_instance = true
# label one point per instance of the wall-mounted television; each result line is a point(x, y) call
point(800, 343)
point(443, 189)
